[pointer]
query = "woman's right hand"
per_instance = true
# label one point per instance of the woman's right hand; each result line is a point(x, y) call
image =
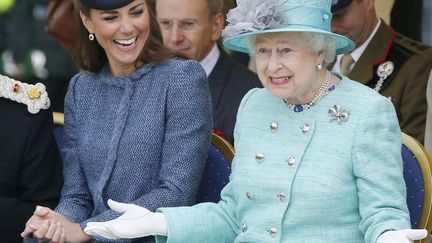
point(135, 222)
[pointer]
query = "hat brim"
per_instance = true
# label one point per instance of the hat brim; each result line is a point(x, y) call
point(241, 42)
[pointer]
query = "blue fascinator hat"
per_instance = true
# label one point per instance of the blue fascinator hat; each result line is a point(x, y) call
point(253, 17)
point(105, 4)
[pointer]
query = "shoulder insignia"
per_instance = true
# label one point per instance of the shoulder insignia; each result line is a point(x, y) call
point(32, 95)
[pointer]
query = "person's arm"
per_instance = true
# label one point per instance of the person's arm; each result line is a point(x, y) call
point(76, 201)
point(377, 167)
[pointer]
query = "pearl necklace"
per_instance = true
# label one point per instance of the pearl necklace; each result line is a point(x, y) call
point(322, 91)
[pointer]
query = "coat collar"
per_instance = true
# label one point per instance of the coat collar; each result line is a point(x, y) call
point(121, 81)
point(375, 53)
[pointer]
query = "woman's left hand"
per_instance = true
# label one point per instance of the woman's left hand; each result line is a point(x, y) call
point(402, 236)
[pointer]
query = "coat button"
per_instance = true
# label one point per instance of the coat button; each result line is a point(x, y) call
point(244, 227)
point(259, 158)
point(291, 160)
point(272, 231)
point(250, 195)
point(281, 196)
point(273, 127)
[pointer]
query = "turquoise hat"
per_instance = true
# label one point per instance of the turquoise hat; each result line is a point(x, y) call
point(252, 17)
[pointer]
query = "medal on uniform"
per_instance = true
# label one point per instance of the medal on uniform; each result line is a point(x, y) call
point(384, 70)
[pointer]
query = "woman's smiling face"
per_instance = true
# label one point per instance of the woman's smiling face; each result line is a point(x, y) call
point(286, 66)
point(121, 32)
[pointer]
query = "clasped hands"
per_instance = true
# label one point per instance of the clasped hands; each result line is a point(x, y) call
point(49, 226)
point(135, 222)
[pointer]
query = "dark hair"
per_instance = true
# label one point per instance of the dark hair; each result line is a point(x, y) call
point(90, 56)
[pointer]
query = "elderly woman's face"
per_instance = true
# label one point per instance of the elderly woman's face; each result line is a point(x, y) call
point(121, 32)
point(285, 65)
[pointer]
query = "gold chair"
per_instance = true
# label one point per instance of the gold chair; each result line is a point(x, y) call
point(58, 118)
point(417, 175)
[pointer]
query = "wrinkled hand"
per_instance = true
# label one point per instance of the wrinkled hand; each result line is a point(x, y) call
point(402, 236)
point(135, 222)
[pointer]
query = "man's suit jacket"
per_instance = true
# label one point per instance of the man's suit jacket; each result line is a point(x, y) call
point(30, 166)
point(406, 85)
point(229, 81)
point(428, 130)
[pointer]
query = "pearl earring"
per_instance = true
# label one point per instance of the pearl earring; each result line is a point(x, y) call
point(319, 66)
point(91, 37)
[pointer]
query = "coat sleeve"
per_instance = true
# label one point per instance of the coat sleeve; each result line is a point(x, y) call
point(207, 222)
point(76, 200)
point(377, 167)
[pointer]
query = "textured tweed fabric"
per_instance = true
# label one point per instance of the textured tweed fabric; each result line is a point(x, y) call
point(141, 139)
point(309, 180)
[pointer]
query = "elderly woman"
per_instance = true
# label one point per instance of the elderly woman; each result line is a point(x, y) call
point(317, 155)
point(137, 122)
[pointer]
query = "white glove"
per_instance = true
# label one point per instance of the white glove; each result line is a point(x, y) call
point(402, 236)
point(135, 222)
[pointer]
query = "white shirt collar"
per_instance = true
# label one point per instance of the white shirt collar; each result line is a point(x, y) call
point(356, 53)
point(209, 62)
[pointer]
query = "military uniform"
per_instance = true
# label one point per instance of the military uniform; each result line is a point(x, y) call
point(406, 83)
point(30, 166)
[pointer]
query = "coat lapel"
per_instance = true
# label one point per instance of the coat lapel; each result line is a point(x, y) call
point(218, 78)
point(375, 53)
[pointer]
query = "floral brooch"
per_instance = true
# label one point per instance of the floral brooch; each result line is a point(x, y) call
point(338, 114)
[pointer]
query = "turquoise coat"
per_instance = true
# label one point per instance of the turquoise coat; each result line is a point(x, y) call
point(309, 180)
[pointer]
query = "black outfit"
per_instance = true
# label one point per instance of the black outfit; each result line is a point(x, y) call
point(229, 81)
point(30, 167)
point(406, 18)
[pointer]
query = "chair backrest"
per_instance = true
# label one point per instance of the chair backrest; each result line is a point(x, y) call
point(417, 174)
point(58, 130)
point(217, 170)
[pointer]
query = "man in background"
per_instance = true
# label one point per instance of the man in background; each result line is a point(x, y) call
point(392, 64)
point(192, 28)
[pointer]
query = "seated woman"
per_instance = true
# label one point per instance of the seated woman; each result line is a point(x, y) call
point(318, 156)
point(137, 122)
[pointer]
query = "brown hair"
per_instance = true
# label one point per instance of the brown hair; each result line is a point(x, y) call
point(215, 7)
point(90, 56)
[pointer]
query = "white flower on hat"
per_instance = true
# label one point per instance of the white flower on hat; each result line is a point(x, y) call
point(252, 15)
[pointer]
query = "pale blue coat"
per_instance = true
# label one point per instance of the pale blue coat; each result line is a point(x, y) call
point(344, 182)
point(142, 138)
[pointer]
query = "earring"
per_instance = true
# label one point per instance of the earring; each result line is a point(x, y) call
point(319, 66)
point(91, 37)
